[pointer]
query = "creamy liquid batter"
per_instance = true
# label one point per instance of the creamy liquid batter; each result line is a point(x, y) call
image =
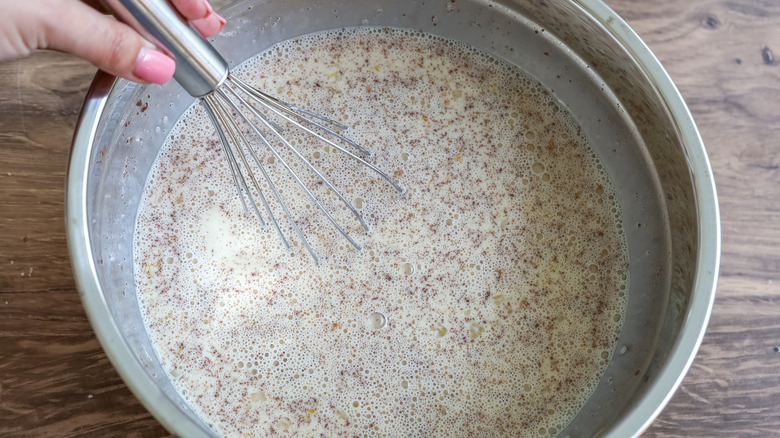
point(486, 302)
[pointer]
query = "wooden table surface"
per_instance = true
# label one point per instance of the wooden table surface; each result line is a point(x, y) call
point(724, 55)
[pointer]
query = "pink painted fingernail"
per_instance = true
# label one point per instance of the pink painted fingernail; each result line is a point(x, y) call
point(209, 25)
point(154, 66)
point(209, 9)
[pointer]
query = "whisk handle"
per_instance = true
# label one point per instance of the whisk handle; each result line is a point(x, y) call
point(199, 67)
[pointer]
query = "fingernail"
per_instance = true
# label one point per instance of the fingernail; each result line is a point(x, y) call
point(209, 9)
point(154, 66)
point(209, 25)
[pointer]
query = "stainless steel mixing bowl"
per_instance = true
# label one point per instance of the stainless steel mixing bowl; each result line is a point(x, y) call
point(579, 49)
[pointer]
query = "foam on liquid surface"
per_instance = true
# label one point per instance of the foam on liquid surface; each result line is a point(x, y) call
point(486, 302)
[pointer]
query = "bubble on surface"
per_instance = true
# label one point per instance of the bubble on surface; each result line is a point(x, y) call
point(376, 321)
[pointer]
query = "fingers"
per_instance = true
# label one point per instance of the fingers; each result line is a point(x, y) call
point(73, 26)
point(189, 9)
point(198, 12)
point(206, 22)
point(209, 25)
point(193, 9)
point(201, 15)
point(112, 46)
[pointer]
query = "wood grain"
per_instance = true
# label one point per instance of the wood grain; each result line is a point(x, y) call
point(718, 54)
point(55, 379)
point(723, 55)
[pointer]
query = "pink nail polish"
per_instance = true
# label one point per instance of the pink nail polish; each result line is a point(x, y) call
point(154, 66)
point(210, 25)
point(209, 9)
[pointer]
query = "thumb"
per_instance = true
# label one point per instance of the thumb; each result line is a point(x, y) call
point(114, 47)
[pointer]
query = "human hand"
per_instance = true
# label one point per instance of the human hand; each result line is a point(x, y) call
point(82, 29)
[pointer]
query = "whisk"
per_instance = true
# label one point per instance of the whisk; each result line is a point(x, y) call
point(234, 105)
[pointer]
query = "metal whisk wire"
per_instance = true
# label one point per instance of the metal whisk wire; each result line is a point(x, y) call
point(285, 110)
point(277, 131)
point(220, 118)
point(205, 74)
point(226, 100)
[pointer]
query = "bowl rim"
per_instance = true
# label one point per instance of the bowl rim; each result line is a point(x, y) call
point(697, 316)
point(633, 423)
point(110, 337)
